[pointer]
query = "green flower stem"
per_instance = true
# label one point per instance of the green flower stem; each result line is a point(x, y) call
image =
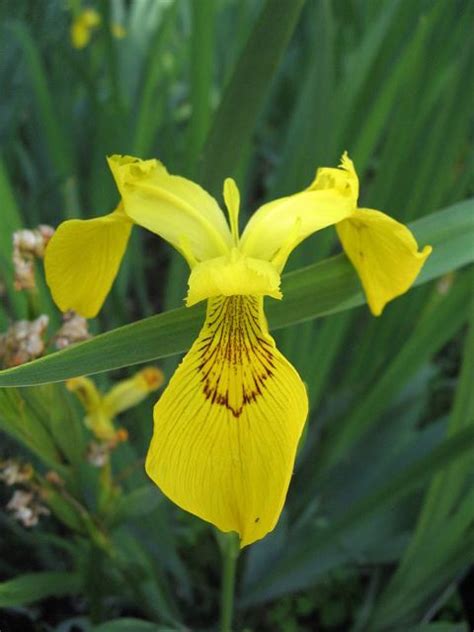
point(230, 553)
point(106, 492)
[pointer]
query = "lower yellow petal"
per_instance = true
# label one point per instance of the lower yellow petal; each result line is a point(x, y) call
point(82, 260)
point(384, 253)
point(227, 426)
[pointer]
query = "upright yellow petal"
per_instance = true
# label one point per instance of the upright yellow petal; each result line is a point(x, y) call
point(82, 260)
point(343, 179)
point(384, 253)
point(228, 424)
point(278, 227)
point(283, 224)
point(232, 201)
point(173, 207)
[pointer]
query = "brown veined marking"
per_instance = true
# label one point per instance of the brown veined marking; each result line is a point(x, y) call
point(235, 360)
point(228, 424)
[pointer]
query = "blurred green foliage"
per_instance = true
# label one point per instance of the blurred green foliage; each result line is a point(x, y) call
point(378, 530)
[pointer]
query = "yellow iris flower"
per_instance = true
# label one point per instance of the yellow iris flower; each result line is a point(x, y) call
point(83, 26)
point(101, 409)
point(228, 424)
point(85, 23)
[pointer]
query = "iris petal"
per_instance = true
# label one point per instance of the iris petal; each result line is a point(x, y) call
point(173, 207)
point(299, 216)
point(343, 179)
point(384, 253)
point(233, 275)
point(227, 426)
point(82, 260)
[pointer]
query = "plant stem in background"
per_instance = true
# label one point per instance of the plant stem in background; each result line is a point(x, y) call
point(230, 553)
point(33, 303)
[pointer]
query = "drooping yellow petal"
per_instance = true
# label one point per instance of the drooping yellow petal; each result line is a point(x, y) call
point(173, 207)
point(233, 275)
point(228, 424)
point(82, 260)
point(384, 253)
point(284, 223)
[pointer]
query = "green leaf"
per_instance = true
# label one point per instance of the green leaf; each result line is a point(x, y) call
point(438, 627)
point(32, 587)
point(21, 421)
point(434, 330)
point(300, 557)
point(66, 509)
point(56, 141)
point(386, 97)
point(51, 407)
point(444, 521)
point(139, 502)
point(245, 94)
point(150, 100)
point(309, 133)
point(325, 288)
point(11, 221)
point(202, 56)
point(129, 625)
point(359, 68)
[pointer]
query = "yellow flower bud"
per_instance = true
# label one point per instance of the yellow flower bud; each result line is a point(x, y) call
point(102, 409)
point(131, 392)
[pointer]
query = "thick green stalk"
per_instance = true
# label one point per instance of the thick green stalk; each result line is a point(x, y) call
point(230, 554)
